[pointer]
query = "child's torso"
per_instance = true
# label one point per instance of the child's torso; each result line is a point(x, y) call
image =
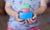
point(17, 5)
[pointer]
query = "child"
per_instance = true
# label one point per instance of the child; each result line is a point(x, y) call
point(13, 7)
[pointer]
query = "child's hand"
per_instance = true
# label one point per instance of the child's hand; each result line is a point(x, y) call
point(30, 21)
point(20, 21)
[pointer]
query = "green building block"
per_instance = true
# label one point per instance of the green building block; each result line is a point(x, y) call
point(26, 5)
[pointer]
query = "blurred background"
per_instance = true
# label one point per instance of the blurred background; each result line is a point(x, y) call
point(4, 17)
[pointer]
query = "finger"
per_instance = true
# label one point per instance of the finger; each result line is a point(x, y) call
point(33, 21)
point(17, 16)
point(34, 16)
point(18, 11)
point(21, 22)
point(26, 22)
point(29, 21)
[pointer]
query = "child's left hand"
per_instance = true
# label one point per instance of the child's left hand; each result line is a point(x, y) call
point(30, 21)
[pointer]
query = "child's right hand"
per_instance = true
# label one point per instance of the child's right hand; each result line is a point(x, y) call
point(20, 21)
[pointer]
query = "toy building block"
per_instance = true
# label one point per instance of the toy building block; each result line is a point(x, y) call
point(26, 10)
point(26, 5)
point(26, 13)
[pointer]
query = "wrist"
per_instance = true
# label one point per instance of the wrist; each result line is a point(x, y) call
point(35, 13)
point(15, 14)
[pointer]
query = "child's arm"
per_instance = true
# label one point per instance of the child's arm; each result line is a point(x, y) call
point(12, 13)
point(9, 10)
point(43, 6)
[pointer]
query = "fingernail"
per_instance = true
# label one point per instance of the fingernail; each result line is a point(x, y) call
point(33, 17)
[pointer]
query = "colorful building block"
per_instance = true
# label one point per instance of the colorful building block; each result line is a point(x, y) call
point(26, 10)
point(25, 15)
point(26, 5)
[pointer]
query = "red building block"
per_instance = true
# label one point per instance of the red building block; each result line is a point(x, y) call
point(26, 10)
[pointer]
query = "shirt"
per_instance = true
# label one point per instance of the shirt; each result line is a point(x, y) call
point(17, 5)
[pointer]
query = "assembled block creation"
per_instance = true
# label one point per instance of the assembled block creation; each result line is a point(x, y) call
point(26, 13)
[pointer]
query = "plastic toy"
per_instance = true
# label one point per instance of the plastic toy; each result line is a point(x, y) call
point(26, 13)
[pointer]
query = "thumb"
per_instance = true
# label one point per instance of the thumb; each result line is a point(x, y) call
point(18, 11)
point(34, 16)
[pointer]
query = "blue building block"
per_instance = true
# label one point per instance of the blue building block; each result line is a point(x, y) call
point(25, 15)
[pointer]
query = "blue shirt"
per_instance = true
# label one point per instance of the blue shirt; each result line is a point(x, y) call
point(17, 5)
